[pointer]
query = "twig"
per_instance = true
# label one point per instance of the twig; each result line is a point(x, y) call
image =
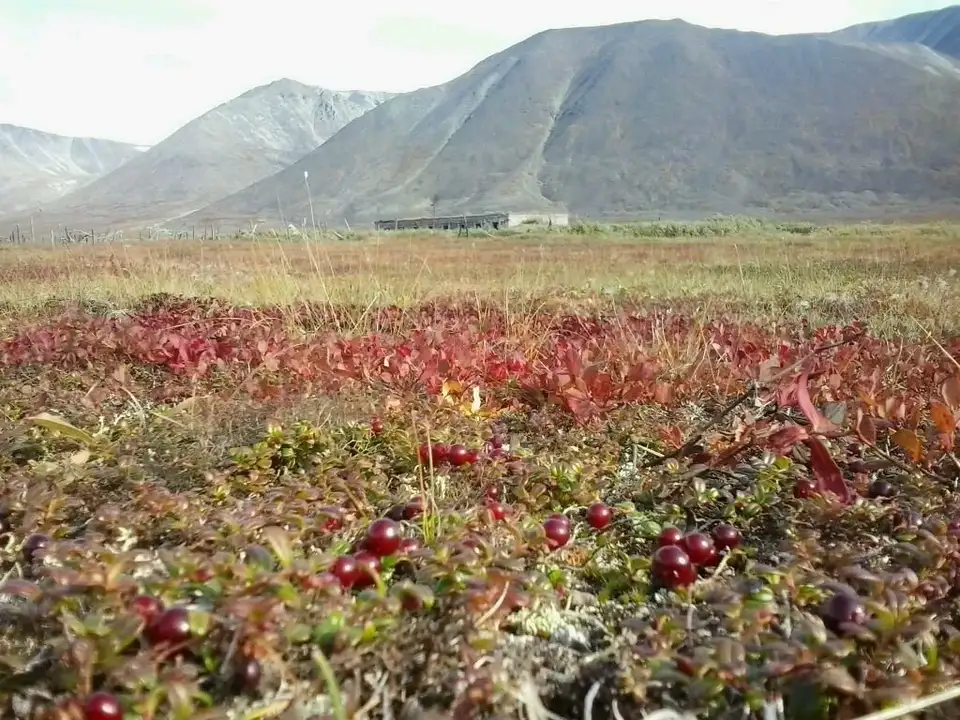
point(912, 707)
point(752, 388)
point(590, 698)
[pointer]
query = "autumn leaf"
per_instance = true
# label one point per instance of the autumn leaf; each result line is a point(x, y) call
point(782, 441)
point(950, 390)
point(942, 417)
point(908, 441)
point(866, 429)
point(819, 424)
point(827, 472)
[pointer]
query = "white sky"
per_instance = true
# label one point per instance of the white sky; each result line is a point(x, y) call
point(136, 70)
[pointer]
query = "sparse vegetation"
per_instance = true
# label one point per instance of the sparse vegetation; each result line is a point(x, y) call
point(549, 474)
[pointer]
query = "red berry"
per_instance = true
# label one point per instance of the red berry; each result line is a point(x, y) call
point(376, 426)
point(805, 488)
point(172, 627)
point(726, 537)
point(458, 455)
point(842, 609)
point(147, 606)
point(496, 442)
point(102, 706)
point(440, 452)
point(345, 569)
point(248, 674)
point(669, 536)
point(331, 518)
point(699, 548)
point(320, 581)
point(497, 509)
point(368, 566)
point(599, 515)
point(413, 509)
point(560, 517)
point(557, 531)
point(383, 537)
point(409, 545)
point(672, 567)
point(32, 544)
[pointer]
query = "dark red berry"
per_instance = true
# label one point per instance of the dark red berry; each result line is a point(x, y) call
point(557, 532)
point(376, 426)
point(497, 509)
point(669, 536)
point(345, 569)
point(458, 455)
point(599, 515)
point(672, 567)
point(383, 537)
point(841, 609)
point(33, 544)
point(440, 453)
point(560, 517)
point(368, 567)
point(881, 489)
point(805, 488)
point(413, 509)
point(147, 607)
point(396, 512)
point(102, 706)
point(726, 537)
point(248, 674)
point(699, 548)
point(171, 627)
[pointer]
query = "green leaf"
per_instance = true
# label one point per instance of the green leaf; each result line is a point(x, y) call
point(53, 423)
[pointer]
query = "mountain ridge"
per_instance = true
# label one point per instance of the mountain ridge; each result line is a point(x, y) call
point(37, 166)
point(233, 144)
point(634, 117)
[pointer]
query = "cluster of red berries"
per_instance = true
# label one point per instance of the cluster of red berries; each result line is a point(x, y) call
point(557, 527)
point(679, 554)
point(384, 538)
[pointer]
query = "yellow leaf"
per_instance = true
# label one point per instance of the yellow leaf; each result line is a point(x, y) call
point(450, 388)
point(909, 442)
point(56, 424)
point(80, 457)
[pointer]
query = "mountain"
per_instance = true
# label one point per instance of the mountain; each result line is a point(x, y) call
point(37, 166)
point(652, 116)
point(236, 143)
point(938, 30)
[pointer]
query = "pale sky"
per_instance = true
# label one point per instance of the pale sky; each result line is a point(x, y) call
point(136, 70)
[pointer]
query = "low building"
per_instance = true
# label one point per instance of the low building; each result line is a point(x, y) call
point(483, 221)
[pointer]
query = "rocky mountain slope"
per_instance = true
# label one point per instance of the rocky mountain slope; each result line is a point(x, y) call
point(938, 30)
point(224, 150)
point(37, 166)
point(653, 116)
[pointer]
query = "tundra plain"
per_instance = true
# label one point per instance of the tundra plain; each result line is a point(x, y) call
point(585, 473)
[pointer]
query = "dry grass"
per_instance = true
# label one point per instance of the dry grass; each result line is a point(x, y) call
point(890, 275)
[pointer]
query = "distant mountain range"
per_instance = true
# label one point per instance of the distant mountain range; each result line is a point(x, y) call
point(658, 117)
point(237, 143)
point(37, 166)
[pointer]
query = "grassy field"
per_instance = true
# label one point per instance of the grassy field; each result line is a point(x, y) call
point(590, 473)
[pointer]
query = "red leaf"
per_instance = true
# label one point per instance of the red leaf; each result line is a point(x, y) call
point(866, 428)
point(827, 473)
point(782, 441)
point(819, 424)
point(951, 392)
